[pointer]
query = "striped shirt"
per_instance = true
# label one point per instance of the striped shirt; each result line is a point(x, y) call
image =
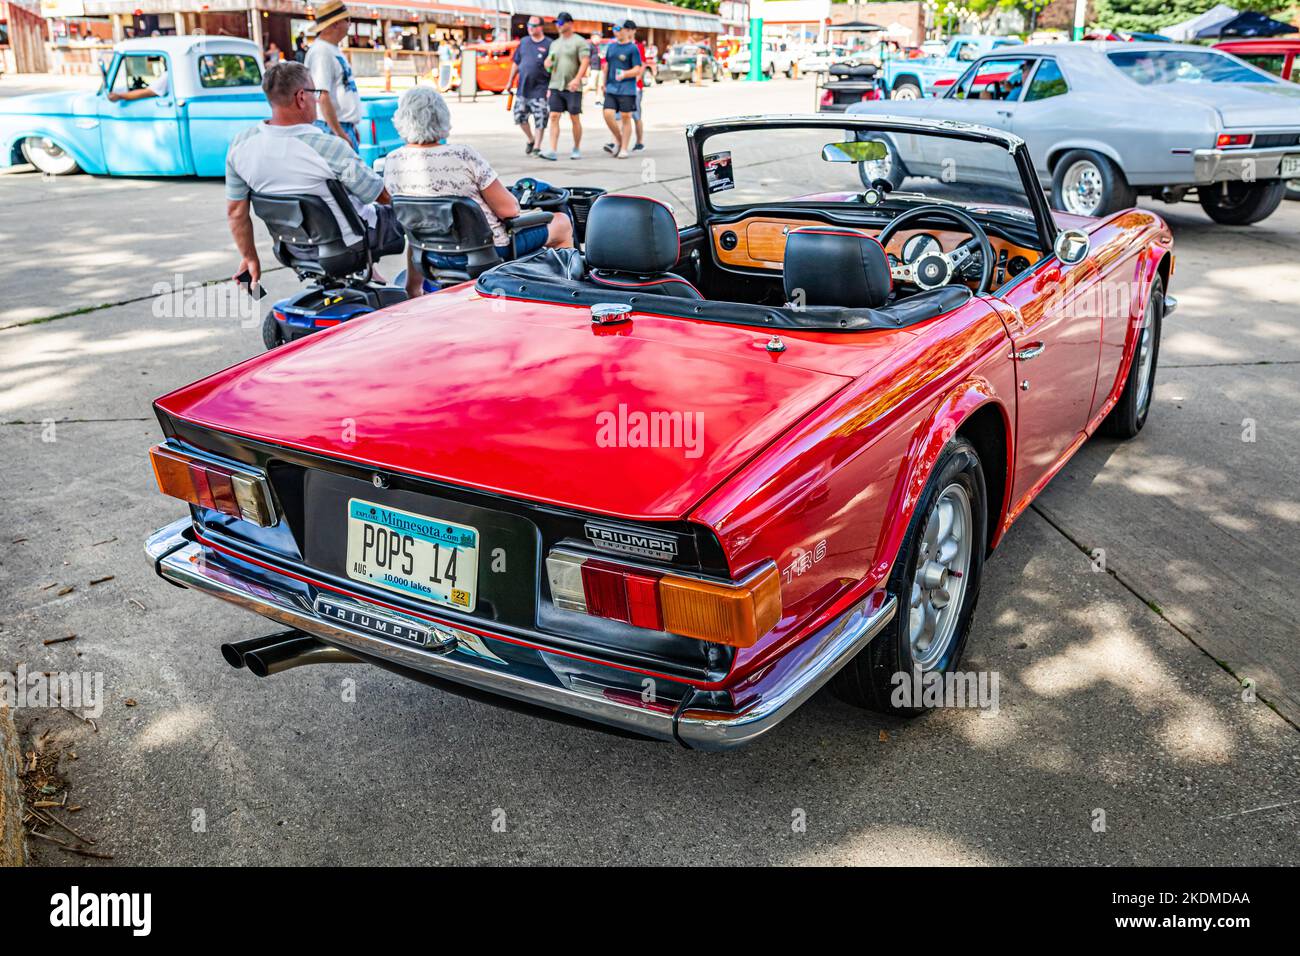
point(292, 160)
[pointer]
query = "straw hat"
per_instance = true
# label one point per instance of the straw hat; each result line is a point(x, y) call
point(332, 11)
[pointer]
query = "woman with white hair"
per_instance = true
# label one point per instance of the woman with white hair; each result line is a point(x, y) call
point(428, 166)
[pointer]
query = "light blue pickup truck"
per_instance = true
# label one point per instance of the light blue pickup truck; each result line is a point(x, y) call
point(175, 105)
point(913, 79)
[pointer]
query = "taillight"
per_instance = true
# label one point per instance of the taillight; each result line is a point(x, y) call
point(871, 95)
point(734, 614)
point(326, 323)
point(828, 98)
point(1234, 140)
point(374, 133)
point(238, 492)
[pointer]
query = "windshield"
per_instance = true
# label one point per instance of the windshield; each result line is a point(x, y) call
point(761, 166)
point(1152, 67)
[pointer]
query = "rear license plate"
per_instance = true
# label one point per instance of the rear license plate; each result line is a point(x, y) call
point(1290, 167)
point(416, 555)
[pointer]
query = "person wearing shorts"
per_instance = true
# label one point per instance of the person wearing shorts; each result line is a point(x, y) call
point(531, 108)
point(568, 60)
point(623, 65)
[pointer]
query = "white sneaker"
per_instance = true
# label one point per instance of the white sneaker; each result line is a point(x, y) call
point(575, 155)
point(622, 154)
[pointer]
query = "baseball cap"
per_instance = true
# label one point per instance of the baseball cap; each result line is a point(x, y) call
point(564, 18)
point(627, 25)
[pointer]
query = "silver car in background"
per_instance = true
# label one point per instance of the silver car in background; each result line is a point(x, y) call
point(1107, 122)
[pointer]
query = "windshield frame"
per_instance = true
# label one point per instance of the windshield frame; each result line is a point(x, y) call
point(699, 133)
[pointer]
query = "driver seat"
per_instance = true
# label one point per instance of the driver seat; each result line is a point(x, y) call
point(831, 266)
point(631, 244)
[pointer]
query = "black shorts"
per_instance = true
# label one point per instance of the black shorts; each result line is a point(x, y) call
point(620, 103)
point(563, 101)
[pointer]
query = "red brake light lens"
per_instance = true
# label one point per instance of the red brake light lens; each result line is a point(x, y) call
point(238, 492)
point(1234, 140)
point(722, 613)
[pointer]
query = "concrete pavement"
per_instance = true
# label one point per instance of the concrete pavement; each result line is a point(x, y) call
point(1119, 689)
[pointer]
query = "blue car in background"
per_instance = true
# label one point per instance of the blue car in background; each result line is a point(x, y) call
point(912, 79)
point(205, 89)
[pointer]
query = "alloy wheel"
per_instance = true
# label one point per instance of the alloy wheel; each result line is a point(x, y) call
point(1083, 188)
point(939, 585)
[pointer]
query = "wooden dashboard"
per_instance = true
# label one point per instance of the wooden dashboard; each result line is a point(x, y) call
point(758, 242)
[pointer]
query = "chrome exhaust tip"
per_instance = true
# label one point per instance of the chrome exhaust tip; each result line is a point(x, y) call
point(235, 652)
point(296, 652)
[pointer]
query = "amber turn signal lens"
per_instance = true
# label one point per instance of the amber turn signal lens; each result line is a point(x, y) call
point(235, 490)
point(737, 616)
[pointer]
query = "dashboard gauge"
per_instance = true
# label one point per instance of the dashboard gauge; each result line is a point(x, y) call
point(919, 245)
point(1017, 265)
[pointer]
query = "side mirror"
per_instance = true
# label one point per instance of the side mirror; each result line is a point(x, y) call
point(1072, 246)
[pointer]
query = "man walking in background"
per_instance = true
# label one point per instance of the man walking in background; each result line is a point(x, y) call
point(340, 103)
point(529, 64)
point(568, 60)
point(623, 64)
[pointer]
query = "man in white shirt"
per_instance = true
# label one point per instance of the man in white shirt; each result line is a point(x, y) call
point(289, 155)
point(340, 103)
point(161, 85)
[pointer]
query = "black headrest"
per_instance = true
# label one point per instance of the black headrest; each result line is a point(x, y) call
point(827, 265)
point(631, 234)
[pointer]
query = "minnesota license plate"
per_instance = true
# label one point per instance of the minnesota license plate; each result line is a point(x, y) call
point(412, 554)
point(1290, 167)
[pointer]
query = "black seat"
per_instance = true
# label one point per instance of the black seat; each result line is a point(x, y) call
point(453, 235)
point(631, 244)
point(828, 267)
point(307, 235)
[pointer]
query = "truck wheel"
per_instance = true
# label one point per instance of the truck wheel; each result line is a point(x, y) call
point(936, 580)
point(906, 90)
point(49, 157)
point(1293, 190)
point(1241, 204)
point(1085, 183)
point(272, 337)
point(1130, 412)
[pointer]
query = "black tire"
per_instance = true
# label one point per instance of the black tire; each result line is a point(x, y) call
point(1130, 412)
point(770, 72)
point(1115, 192)
point(869, 679)
point(906, 90)
point(272, 337)
point(1242, 203)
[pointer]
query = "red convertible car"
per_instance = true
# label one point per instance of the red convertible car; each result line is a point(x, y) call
point(676, 482)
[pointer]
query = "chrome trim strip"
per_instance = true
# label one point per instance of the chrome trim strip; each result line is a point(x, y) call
point(782, 688)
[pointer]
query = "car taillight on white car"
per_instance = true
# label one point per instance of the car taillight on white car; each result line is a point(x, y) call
point(234, 490)
point(737, 614)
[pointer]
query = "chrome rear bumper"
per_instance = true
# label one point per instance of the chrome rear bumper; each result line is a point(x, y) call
point(1236, 165)
point(470, 659)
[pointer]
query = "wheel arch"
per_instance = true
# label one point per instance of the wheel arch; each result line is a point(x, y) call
point(93, 164)
point(1060, 149)
point(912, 78)
point(971, 410)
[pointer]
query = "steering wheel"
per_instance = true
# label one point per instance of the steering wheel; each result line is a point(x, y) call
point(934, 269)
point(534, 195)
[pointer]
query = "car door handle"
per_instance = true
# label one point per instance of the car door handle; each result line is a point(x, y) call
point(1032, 350)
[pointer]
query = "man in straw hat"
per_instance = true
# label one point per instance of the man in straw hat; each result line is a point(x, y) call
point(340, 103)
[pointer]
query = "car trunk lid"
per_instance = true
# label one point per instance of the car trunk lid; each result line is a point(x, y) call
point(531, 400)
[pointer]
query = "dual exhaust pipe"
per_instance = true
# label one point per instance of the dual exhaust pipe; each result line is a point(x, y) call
point(264, 656)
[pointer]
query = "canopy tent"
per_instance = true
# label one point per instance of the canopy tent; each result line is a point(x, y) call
point(1182, 32)
point(1248, 24)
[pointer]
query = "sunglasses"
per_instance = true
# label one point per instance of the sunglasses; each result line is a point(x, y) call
point(314, 92)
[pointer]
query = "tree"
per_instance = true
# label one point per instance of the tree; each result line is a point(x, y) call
point(708, 6)
point(1148, 16)
point(1029, 9)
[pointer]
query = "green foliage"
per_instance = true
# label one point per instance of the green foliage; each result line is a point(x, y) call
point(1148, 16)
point(708, 6)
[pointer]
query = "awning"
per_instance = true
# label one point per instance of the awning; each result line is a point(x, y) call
point(661, 16)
